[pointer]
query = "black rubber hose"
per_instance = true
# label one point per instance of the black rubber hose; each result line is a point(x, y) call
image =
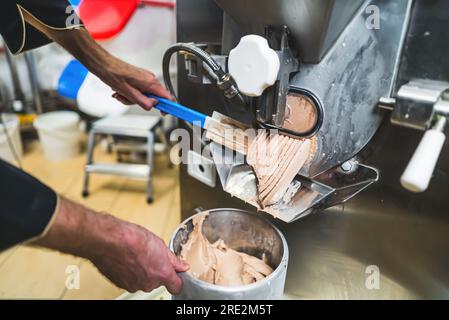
point(191, 48)
point(188, 47)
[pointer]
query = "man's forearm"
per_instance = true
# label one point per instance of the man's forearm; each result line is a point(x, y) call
point(130, 83)
point(84, 48)
point(78, 42)
point(127, 254)
point(76, 228)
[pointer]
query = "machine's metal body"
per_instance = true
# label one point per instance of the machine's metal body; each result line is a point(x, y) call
point(349, 68)
point(315, 25)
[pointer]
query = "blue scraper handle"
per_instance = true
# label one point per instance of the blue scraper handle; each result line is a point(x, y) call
point(179, 111)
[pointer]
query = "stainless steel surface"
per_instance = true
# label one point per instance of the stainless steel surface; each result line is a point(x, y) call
point(442, 106)
point(306, 196)
point(138, 171)
point(399, 53)
point(289, 65)
point(272, 109)
point(405, 235)
point(246, 232)
point(18, 97)
point(34, 82)
point(315, 24)
point(418, 103)
point(334, 254)
point(349, 82)
point(440, 125)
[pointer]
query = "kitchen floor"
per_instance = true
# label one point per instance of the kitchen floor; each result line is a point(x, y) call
point(35, 273)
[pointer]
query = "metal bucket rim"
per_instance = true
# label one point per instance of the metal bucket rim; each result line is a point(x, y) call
point(231, 289)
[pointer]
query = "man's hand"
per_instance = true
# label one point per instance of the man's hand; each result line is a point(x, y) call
point(130, 84)
point(141, 261)
point(130, 256)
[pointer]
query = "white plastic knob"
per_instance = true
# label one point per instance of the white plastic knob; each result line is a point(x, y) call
point(418, 173)
point(253, 65)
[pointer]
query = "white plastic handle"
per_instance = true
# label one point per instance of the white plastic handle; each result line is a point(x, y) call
point(253, 65)
point(418, 173)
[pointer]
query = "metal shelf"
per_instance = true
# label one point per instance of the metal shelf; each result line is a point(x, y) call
point(136, 171)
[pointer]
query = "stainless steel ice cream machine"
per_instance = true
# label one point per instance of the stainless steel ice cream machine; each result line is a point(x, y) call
point(368, 82)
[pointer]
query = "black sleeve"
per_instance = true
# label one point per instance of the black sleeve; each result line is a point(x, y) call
point(19, 35)
point(26, 206)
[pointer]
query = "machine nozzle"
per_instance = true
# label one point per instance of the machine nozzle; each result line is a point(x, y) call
point(229, 88)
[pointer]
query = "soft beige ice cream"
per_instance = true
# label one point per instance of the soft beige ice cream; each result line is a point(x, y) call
point(276, 160)
point(217, 263)
point(302, 114)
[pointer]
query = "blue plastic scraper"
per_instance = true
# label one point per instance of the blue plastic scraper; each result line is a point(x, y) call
point(220, 128)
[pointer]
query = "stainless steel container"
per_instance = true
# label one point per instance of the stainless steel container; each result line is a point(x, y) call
point(243, 231)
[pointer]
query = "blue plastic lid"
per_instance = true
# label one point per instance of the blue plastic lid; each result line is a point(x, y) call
point(75, 3)
point(71, 79)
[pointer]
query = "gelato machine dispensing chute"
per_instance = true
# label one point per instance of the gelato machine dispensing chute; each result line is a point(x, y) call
point(306, 196)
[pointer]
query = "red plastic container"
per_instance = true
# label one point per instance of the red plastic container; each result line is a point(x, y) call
point(106, 18)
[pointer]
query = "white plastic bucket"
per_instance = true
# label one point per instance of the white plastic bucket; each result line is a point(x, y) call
point(59, 133)
point(11, 122)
